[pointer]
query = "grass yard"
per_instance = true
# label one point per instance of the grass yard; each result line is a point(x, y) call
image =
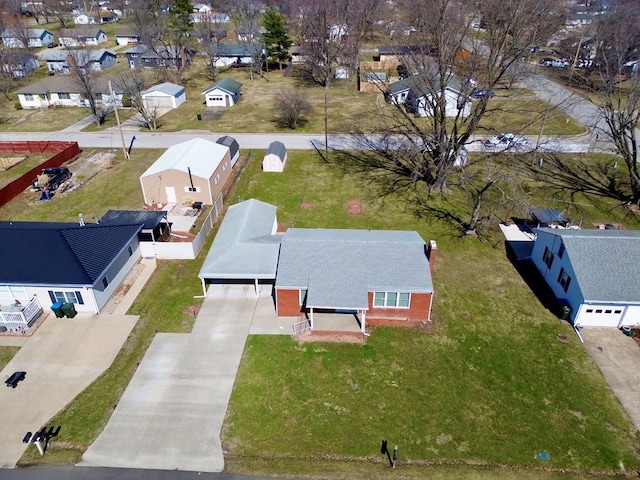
point(6, 354)
point(38, 119)
point(18, 169)
point(116, 187)
point(495, 380)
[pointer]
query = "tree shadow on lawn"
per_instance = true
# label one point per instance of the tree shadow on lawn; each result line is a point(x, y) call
point(517, 255)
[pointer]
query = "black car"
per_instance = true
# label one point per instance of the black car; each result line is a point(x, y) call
point(14, 379)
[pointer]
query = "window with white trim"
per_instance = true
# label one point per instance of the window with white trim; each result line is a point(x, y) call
point(561, 250)
point(66, 297)
point(28, 97)
point(224, 167)
point(64, 96)
point(302, 296)
point(217, 179)
point(215, 99)
point(391, 299)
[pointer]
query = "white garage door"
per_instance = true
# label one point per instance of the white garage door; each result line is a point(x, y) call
point(158, 102)
point(600, 316)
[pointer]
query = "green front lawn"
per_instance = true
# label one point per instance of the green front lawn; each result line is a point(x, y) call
point(6, 354)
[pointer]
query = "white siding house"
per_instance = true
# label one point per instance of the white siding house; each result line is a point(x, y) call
point(164, 95)
point(224, 93)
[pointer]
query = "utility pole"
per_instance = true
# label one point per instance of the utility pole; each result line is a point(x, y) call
point(115, 109)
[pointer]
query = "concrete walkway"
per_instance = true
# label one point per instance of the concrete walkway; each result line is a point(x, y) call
point(171, 414)
point(618, 358)
point(61, 359)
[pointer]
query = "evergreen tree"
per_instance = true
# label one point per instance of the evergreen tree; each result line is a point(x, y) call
point(276, 39)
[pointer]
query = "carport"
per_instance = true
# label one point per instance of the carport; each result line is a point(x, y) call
point(246, 247)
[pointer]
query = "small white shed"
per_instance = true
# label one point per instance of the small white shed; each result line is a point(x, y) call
point(276, 158)
point(165, 95)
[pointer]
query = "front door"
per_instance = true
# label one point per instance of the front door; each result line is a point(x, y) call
point(227, 101)
point(171, 194)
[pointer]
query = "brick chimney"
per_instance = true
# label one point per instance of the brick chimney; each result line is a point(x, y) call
point(432, 253)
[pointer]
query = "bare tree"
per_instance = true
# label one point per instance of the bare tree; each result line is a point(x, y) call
point(85, 79)
point(58, 9)
point(132, 84)
point(291, 107)
point(209, 33)
point(619, 37)
point(245, 16)
point(447, 61)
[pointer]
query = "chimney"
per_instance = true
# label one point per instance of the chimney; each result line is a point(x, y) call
point(432, 253)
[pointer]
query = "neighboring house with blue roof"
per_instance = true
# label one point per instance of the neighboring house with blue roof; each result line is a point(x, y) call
point(164, 95)
point(159, 56)
point(275, 158)
point(65, 262)
point(224, 93)
point(379, 276)
point(594, 272)
point(192, 171)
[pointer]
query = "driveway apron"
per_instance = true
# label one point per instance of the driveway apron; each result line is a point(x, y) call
point(62, 358)
point(618, 357)
point(171, 414)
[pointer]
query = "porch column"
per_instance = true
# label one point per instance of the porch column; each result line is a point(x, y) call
point(311, 317)
point(204, 287)
point(363, 315)
point(256, 285)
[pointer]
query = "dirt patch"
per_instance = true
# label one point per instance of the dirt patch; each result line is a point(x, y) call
point(7, 162)
point(192, 310)
point(85, 167)
point(306, 205)
point(563, 337)
point(354, 207)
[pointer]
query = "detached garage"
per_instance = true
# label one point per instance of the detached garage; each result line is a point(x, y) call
point(189, 172)
point(165, 95)
point(593, 272)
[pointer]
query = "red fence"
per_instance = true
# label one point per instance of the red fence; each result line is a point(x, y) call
point(64, 151)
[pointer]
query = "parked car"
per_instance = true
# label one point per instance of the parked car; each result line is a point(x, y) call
point(51, 178)
point(484, 93)
point(52, 45)
point(15, 378)
point(506, 141)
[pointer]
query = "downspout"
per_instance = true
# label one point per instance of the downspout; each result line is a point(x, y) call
point(204, 287)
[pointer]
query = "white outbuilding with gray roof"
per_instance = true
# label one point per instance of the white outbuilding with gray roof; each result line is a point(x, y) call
point(593, 272)
point(164, 95)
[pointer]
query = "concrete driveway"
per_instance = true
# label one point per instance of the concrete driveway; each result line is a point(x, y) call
point(171, 413)
point(618, 357)
point(61, 359)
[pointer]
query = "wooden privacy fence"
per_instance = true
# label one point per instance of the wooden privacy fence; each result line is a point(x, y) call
point(64, 151)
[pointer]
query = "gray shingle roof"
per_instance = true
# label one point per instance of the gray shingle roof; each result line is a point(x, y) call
point(42, 253)
point(167, 88)
point(230, 142)
point(606, 262)
point(81, 55)
point(89, 32)
point(339, 267)
point(278, 149)
point(234, 50)
point(422, 83)
point(244, 247)
point(65, 84)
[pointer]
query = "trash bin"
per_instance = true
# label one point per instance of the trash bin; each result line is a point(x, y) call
point(69, 310)
point(57, 309)
point(566, 311)
point(199, 116)
point(627, 331)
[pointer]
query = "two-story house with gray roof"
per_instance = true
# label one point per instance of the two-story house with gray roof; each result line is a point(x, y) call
point(593, 272)
point(59, 61)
